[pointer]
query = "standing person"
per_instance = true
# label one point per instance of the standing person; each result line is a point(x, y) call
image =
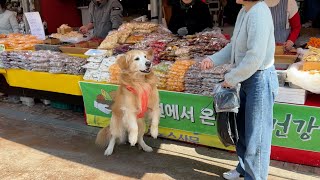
point(105, 15)
point(189, 17)
point(8, 21)
point(252, 50)
point(286, 21)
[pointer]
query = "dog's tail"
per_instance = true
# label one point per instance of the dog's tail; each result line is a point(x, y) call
point(103, 137)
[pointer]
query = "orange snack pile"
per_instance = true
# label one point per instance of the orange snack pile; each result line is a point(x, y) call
point(176, 75)
point(20, 42)
point(114, 71)
point(314, 42)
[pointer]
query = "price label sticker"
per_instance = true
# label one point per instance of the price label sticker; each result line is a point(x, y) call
point(2, 48)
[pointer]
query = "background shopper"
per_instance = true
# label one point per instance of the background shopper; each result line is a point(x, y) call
point(189, 17)
point(8, 21)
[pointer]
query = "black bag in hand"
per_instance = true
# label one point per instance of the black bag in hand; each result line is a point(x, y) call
point(227, 128)
point(226, 104)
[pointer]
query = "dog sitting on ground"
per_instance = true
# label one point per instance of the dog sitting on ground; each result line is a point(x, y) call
point(136, 98)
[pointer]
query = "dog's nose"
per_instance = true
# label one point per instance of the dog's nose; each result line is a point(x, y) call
point(148, 63)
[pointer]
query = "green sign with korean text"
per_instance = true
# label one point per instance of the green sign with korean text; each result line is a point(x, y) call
point(190, 118)
point(296, 127)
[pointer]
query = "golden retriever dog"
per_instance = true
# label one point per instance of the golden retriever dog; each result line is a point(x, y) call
point(136, 99)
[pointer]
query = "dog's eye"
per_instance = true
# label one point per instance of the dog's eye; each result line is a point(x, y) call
point(145, 56)
point(137, 59)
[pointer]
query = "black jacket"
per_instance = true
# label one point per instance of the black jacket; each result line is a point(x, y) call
point(196, 18)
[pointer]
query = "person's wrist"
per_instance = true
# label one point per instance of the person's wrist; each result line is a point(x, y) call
point(209, 59)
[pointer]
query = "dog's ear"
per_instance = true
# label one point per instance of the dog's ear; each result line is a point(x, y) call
point(122, 62)
point(150, 54)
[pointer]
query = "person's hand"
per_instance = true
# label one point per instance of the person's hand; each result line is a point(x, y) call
point(182, 31)
point(226, 85)
point(288, 45)
point(206, 64)
point(84, 29)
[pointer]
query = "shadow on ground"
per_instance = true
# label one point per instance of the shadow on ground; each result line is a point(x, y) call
point(64, 135)
point(127, 161)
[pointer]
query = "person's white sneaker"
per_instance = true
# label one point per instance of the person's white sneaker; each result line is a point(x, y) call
point(231, 175)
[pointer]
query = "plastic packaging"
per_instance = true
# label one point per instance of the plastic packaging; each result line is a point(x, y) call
point(92, 75)
point(97, 59)
point(91, 65)
point(313, 55)
point(114, 71)
point(56, 70)
point(57, 64)
point(177, 73)
point(27, 101)
point(106, 63)
point(43, 61)
point(307, 80)
point(40, 69)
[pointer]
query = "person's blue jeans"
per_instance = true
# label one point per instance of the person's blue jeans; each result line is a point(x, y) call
point(255, 123)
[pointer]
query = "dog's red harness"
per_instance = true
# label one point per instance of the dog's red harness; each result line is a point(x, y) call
point(144, 98)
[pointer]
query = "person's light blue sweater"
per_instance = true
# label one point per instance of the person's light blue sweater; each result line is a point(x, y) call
point(252, 45)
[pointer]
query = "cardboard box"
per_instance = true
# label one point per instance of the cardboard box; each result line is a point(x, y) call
point(73, 50)
point(93, 44)
point(281, 58)
point(82, 45)
point(52, 41)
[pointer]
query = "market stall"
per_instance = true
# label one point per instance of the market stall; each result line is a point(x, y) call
point(186, 104)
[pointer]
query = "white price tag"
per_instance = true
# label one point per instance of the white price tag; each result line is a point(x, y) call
point(2, 48)
point(35, 24)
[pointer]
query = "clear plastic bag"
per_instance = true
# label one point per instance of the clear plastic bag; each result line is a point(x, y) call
point(307, 80)
point(56, 70)
point(211, 81)
point(40, 69)
point(92, 65)
point(36, 59)
point(97, 59)
point(312, 55)
point(226, 99)
point(39, 65)
point(57, 64)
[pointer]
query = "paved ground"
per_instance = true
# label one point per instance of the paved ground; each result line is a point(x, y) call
point(44, 143)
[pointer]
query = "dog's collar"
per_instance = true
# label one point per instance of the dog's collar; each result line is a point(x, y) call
point(144, 99)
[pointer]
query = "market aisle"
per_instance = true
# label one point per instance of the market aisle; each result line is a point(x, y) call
point(37, 143)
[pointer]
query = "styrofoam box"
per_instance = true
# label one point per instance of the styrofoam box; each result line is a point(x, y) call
point(291, 95)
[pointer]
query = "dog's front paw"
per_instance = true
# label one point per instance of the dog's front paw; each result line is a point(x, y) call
point(133, 138)
point(154, 131)
point(147, 148)
point(108, 152)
